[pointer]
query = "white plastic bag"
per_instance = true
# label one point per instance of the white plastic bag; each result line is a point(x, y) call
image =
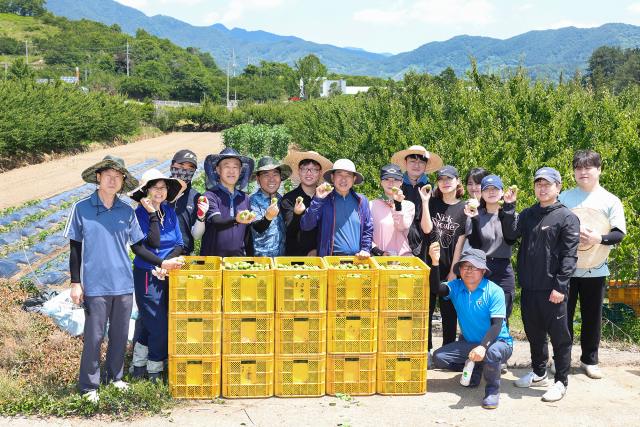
point(68, 316)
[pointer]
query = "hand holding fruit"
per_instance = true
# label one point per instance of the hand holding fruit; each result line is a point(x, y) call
point(425, 193)
point(434, 253)
point(363, 255)
point(323, 190)
point(398, 195)
point(299, 208)
point(272, 210)
point(147, 203)
point(203, 207)
point(511, 194)
point(471, 208)
point(172, 264)
point(245, 217)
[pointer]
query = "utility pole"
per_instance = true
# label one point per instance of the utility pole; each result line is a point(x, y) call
point(235, 97)
point(5, 67)
point(227, 83)
point(26, 44)
point(85, 73)
point(127, 58)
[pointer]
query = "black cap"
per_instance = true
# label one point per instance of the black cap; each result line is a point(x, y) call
point(391, 171)
point(183, 156)
point(549, 174)
point(449, 171)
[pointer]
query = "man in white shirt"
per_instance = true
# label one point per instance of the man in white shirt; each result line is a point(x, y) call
point(590, 284)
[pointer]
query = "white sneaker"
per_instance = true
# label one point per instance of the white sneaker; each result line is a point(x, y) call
point(429, 361)
point(555, 393)
point(92, 396)
point(121, 385)
point(532, 380)
point(553, 369)
point(592, 370)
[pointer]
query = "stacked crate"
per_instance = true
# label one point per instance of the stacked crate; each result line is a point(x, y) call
point(403, 325)
point(352, 323)
point(248, 327)
point(195, 328)
point(301, 322)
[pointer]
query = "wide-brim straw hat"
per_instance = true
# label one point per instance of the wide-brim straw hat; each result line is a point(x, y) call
point(434, 162)
point(345, 165)
point(592, 255)
point(294, 160)
point(268, 163)
point(111, 162)
point(175, 186)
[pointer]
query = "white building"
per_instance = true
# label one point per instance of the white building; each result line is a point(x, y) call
point(342, 84)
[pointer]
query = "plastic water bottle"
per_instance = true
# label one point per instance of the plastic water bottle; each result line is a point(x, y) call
point(466, 373)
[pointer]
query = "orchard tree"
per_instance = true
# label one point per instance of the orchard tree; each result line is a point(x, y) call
point(311, 71)
point(19, 70)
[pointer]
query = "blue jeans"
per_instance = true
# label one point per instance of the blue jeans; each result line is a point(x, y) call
point(458, 352)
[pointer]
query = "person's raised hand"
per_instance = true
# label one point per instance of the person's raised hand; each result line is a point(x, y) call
point(245, 217)
point(172, 264)
point(299, 208)
point(147, 204)
point(510, 196)
point(425, 193)
point(398, 196)
point(272, 211)
point(323, 190)
point(468, 212)
point(434, 253)
point(203, 207)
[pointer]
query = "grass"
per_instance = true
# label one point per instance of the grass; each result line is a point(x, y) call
point(25, 27)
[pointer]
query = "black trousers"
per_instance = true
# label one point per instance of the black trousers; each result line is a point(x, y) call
point(449, 320)
point(502, 275)
point(590, 290)
point(541, 317)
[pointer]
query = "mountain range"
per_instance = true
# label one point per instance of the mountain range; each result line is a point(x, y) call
point(543, 53)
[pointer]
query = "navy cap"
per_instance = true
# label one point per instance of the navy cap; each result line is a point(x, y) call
point(492, 180)
point(184, 156)
point(476, 257)
point(449, 171)
point(391, 171)
point(550, 174)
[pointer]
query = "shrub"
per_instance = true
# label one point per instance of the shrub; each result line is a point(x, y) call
point(258, 140)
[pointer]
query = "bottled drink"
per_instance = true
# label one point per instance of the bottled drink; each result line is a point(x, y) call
point(466, 373)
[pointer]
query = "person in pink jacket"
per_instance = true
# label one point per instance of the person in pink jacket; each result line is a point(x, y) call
point(392, 216)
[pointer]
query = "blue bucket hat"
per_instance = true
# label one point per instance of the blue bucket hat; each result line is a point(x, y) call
point(476, 257)
point(211, 175)
point(490, 180)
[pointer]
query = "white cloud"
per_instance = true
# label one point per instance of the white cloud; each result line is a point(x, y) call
point(634, 7)
point(476, 12)
point(238, 7)
point(527, 6)
point(567, 23)
point(212, 18)
point(133, 3)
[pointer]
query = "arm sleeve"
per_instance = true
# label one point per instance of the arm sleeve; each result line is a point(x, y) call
point(311, 216)
point(197, 231)
point(492, 334)
point(145, 254)
point(568, 255)
point(222, 224)
point(402, 219)
point(376, 251)
point(367, 229)
point(75, 260)
point(436, 286)
point(152, 238)
point(262, 225)
point(291, 220)
point(511, 223)
point(475, 237)
point(177, 251)
point(613, 238)
point(249, 249)
point(397, 205)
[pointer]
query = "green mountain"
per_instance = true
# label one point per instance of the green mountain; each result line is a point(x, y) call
point(543, 53)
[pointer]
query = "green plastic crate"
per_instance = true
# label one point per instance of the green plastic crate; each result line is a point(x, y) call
point(617, 312)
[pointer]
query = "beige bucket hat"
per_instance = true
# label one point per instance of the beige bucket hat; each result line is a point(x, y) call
point(592, 255)
point(175, 186)
point(433, 164)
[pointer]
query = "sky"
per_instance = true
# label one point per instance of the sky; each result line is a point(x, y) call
point(393, 26)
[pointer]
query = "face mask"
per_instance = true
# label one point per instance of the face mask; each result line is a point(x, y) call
point(185, 175)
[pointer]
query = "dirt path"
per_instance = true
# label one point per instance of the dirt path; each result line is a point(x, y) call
point(48, 179)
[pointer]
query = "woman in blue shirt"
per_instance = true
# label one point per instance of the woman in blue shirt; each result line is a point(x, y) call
point(160, 226)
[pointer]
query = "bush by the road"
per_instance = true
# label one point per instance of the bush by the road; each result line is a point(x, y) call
point(509, 125)
point(258, 140)
point(45, 118)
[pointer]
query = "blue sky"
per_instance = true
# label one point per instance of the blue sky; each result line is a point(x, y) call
point(393, 26)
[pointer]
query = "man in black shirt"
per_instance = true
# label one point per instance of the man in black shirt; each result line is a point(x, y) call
point(416, 163)
point(307, 172)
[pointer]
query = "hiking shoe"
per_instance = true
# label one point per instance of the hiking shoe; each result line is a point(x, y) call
point(92, 396)
point(429, 361)
point(155, 378)
point(532, 380)
point(555, 393)
point(504, 368)
point(592, 370)
point(553, 369)
point(121, 385)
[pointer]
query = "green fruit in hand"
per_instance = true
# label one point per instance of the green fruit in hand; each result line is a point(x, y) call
point(328, 187)
point(500, 203)
point(201, 198)
point(150, 196)
point(394, 189)
point(437, 244)
point(428, 187)
point(299, 199)
point(274, 200)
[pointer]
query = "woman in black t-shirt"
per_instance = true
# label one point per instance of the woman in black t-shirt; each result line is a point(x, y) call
point(443, 221)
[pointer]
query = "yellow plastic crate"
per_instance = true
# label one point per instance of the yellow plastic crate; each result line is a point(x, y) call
point(195, 334)
point(248, 295)
point(403, 293)
point(353, 374)
point(245, 334)
point(352, 332)
point(403, 332)
point(402, 374)
point(629, 296)
point(348, 293)
point(247, 376)
point(294, 293)
point(300, 375)
point(197, 287)
point(194, 377)
point(301, 333)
